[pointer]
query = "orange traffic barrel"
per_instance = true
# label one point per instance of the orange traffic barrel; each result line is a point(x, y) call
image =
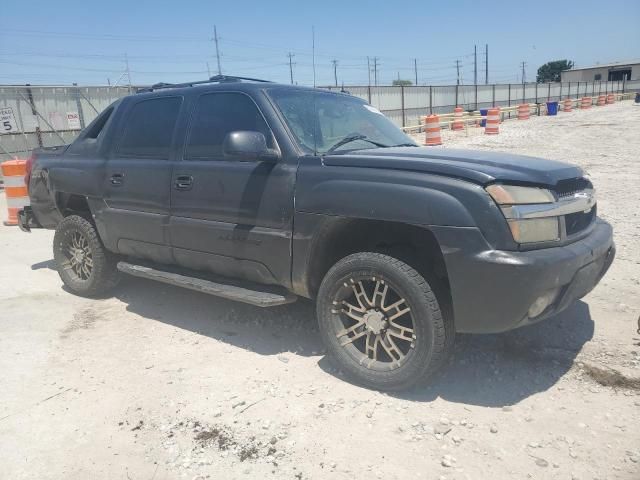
point(611, 98)
point(602, 100)
point(457, 124)
point(585, 103)
point(523, 111)
point(568, 105)
point(432, 130)
point(493, 122)
point(13, 173)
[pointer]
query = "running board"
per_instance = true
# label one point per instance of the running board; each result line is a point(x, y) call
point(230, 292)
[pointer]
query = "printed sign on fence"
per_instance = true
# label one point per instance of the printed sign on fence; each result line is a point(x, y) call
point(8, 122)
point(73, 119)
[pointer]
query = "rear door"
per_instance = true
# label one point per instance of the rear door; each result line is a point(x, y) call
point(138, 179)
point(228, 216)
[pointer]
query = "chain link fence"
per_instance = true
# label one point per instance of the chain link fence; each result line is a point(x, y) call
point(43, 116)
point(406, 105)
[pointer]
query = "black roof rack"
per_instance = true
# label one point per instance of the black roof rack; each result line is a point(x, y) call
point(214, 79)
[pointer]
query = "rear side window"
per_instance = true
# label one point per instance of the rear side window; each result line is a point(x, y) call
point(218, 114)
point(149, 127)
point(96, 128)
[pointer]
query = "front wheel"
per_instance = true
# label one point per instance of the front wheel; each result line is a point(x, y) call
point(84, 265)
point(381, 322)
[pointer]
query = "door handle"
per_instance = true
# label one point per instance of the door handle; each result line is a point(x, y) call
point(183, 182)
point(117, 179)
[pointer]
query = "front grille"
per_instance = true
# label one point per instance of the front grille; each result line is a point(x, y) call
point(579, 221)
point(569, 186)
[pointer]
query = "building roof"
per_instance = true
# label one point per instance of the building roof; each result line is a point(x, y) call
point(606, 65)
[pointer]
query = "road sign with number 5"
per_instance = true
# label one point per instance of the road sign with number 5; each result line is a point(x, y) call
point(8, 122)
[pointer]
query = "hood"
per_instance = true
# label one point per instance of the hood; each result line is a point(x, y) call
point(478, 166)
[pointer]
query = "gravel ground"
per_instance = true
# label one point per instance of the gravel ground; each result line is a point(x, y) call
point(161, 383)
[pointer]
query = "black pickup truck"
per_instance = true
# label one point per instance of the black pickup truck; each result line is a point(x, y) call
point(263, 193)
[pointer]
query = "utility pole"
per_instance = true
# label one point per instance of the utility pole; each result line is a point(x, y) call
point(524, 64)
point(313, 52)
point(126, 62)
point(369, 71)
point(335, 70)
point(208, 71)
point(458, 72)
point(290, 55)
point(486, 64)
point(415, 69)
point(215, 39)
point(475, 64)
point(375, 71)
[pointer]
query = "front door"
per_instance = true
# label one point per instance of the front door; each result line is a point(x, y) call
point(138, 180)
point(228, 216)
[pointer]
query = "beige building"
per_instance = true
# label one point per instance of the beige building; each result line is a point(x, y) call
point(605, 72)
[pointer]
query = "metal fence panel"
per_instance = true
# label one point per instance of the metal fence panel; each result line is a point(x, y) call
point(53, 115)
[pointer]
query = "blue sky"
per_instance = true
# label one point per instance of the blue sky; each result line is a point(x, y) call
point(44, 42)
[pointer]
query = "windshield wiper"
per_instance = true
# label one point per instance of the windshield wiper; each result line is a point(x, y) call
point(405, 145)
point(353, 138)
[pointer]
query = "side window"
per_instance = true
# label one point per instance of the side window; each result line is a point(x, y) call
point(149, 126)
point(216, 115)
point(96, 128)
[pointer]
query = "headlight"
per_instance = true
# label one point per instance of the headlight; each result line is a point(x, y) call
point(529, 230)
point(515, 195)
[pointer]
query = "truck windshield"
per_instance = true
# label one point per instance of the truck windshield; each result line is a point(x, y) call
point(325, 122)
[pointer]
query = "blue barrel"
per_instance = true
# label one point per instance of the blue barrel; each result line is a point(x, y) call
point(552, 108)
point(483, 112)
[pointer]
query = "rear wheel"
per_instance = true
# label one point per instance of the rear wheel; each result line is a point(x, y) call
point(84, 265)
point(381, 322)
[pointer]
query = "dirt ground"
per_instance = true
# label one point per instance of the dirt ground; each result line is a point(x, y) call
point(161, 383)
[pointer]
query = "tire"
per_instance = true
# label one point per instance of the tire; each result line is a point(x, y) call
point(91, 272)
point(400, 361)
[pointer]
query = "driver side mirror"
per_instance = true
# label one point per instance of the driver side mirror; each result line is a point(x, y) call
point(246, 145)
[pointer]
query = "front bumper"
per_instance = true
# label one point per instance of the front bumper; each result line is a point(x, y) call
point(492, 290)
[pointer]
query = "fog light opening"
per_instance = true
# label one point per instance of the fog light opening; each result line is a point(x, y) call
point(541, 303)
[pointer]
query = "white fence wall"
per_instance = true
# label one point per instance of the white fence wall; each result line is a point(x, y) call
point(406, 105)
point(52, 115)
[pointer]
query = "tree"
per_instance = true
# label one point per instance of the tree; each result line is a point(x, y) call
point(550, 71)
point(402, 83)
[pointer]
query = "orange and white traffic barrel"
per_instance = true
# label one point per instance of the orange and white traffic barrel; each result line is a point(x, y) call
point(568, 105)
point(585, 103)
point(611, 98)
point(432, 130)
point(13, 173)
point(493, 122)
point(523, 111)
point(457, 124)
point(602, 100)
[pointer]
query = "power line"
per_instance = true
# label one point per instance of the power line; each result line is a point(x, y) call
point(486, 64)
point(313, 51)
point(335, 71)
point(375, 71)
point(475, 65)
point(290, 55)
point(215, 39)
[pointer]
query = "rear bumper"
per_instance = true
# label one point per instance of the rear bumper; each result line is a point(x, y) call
point(493, 290)
point(26, 220)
